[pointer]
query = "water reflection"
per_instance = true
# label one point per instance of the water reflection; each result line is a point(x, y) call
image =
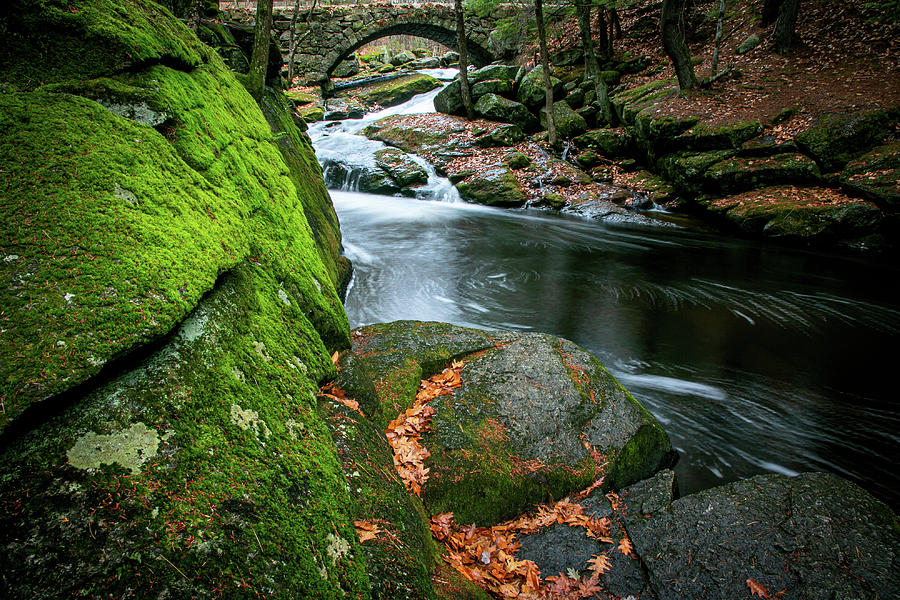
point(755, 358)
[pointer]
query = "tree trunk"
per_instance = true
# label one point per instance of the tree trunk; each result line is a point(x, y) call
point(673, 43)
point(785, 26)
point(545, 67)
point(718, 43)
point(259, 60)
point(770, 12)
point(591, 67)
point(292, 42)
point(604, 35)
point(463, 60)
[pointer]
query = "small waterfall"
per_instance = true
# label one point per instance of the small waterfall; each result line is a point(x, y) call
point(348, 158)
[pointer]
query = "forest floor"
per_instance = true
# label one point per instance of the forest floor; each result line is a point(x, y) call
point(843, 61)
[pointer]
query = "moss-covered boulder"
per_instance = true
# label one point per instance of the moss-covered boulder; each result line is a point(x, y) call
point(531, 89)
point(394, 91)
point(536, 416)
point(402, 57)
point(611, 143)
point(169, 277)
point(401, 167)
point(494, 185)
point(739, 174)
point(686, 170)
point(501, 87)
point(800, 214)
point(498, 108)
point(449, 99)
point(702, 136)
point(568, 123)
point(502, 135)
point(495, 72)
point(876, 176)
point(834, 139)
point(629, 103)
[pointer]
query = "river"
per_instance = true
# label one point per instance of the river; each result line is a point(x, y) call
point(755, 357)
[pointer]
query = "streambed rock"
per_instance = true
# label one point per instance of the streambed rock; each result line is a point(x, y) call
point(536, 417)
point(815, 535)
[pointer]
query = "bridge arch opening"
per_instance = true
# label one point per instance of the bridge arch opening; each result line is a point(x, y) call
point(477, 54)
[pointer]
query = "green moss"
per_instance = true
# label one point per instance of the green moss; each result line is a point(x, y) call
point(48, 41)
point(394, 91)
point(834, 139)
point(400, 558)
point(220, 494)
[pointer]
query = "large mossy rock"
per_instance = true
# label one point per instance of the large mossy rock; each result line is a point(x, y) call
point(536, 417)
point(876, 176)
point(611, 143)
point(568, 123)
point(498, 108)
point(835, 139)
point(501, 87)
point(739, 174)
point(401, 167)
point(394, 91)
point(449, 99)
point(629, 103)
point(170, 277)
point(800, 214)
point(494, 185)
point(531, 89)
point(686, 170)
point(506, 73)
point(814, 535)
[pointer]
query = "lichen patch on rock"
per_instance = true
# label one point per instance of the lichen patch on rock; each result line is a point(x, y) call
point(129, 448)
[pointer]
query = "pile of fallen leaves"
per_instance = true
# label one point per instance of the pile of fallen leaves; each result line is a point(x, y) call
point(404, 433)
point(486, 555)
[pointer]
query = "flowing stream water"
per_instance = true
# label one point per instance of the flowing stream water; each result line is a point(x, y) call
point(755, 357)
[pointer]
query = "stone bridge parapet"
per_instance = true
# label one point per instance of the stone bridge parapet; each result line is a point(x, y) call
point(329, 34)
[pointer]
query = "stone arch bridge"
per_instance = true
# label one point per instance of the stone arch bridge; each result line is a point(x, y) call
point(329, 34)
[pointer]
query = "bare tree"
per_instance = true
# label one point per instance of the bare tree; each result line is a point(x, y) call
point(591, 66)
point(259, 60)
point(718, 43)
point(673, 43)
point(545, 67)
point(463, 60)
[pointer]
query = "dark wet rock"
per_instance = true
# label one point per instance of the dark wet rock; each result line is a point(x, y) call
point(502, 135)
point(611, 143)
point(835, 139)
point(686, 169)
point(498, 108)
point(449, 58)
point(531, 89)
point(876, 176)
point(449, 99)
point(339, 109)
point(501, 72)
point(814, 535)
point(494, 186)
point(502, 87)
point(401, 167)
point(629, 103)
point(567, 58)
point(701, 136)
point(402, 57)
point(568, 123)
point(516, 160)
point(789, 213)
point(575, 98)
point(738, 174)
point(515, 432)
point(766, 145)
point(657, 189)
